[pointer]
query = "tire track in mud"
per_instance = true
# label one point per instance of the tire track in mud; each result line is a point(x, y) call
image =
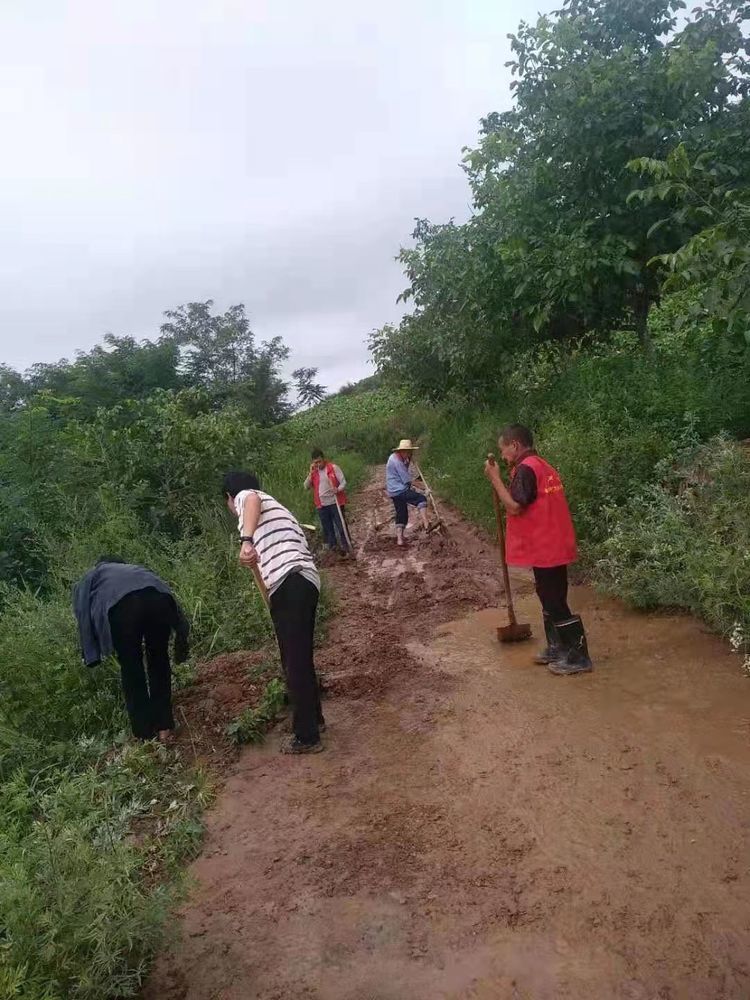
point(477, 828)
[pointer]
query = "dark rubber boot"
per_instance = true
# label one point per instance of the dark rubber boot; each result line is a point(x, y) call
point(552, 650)
point(575, 658)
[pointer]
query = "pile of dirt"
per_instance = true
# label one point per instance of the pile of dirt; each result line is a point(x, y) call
point(224, 687)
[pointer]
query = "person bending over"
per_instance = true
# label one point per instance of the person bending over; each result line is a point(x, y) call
point(271, 539)
point(122, 608)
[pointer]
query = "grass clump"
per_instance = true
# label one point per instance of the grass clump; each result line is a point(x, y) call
point(252, 724)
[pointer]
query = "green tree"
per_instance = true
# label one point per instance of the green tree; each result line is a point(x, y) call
point(309, 392)
point(122, 368)
point(556, 248)
point(13, 388)
point(598, 84)
point(715, 261)
point(220, 356)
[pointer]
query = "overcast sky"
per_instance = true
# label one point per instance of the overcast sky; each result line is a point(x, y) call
point(271, 152)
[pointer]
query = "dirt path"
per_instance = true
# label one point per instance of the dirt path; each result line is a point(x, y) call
point(478, 828)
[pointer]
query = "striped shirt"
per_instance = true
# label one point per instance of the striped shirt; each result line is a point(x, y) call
point(279, 541)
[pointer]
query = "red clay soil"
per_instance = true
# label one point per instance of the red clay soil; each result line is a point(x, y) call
point(478, 829)
point(223, 688)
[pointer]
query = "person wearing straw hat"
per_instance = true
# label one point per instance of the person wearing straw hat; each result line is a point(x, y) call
point(399, 481)
point(272, 542)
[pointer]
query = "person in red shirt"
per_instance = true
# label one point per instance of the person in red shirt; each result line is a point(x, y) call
point(540, 535)
point(327, 482)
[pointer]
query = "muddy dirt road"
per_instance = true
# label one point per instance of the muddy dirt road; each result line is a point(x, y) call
point(478, 828)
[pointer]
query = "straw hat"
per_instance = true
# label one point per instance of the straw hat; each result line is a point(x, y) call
point(406, 445)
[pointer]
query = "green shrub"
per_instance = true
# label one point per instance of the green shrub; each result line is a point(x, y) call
point(251, 725)
point(684, 541)
point(78, 918)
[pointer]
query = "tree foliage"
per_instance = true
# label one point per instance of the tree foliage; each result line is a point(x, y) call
point(309, 392)
point(220, 356)
point(716, 259)
point(556, 246)
point(197, 349)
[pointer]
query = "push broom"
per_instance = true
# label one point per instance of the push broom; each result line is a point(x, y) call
point(514, 631)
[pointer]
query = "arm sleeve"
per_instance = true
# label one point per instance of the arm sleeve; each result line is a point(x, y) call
point(523, 487)
point(87, 636)
point(340, 476)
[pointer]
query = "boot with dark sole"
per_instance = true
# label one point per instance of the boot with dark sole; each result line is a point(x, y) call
point(552, 650)
point(296, 746)
point(575, 657)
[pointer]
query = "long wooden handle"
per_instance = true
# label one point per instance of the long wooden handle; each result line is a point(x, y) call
point(261, 586)
point(501, 542)
point(343, 523)
point(430, 494)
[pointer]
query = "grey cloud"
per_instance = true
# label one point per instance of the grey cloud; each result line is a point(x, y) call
point(273, 153)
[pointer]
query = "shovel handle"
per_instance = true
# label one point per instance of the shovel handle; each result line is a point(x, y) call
point(344, 527)
point(261, 587)
point(501, 542)
point(429, 494)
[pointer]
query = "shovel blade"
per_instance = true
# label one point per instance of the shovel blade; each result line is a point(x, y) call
point(513, 633)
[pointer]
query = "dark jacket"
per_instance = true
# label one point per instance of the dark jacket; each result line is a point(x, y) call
point(98, 592)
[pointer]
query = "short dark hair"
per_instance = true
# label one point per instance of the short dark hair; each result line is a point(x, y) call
point(236, 482)
point(517, 432)
point(109, 559)
point(316, 453)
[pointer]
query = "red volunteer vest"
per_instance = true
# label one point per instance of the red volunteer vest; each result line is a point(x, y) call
point(315, 480)
point(542, 534)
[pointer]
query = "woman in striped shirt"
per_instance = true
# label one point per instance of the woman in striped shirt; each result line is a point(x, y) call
point(272, 539)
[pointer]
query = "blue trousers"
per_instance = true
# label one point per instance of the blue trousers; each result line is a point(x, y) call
point(333, 532)
point(403, 500)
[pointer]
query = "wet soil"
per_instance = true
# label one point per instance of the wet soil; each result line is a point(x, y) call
point(222, 689)
point(478, 829)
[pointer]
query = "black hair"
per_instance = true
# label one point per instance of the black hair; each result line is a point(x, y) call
point(316, 453)
point(517, 432)
point(236, 482)
point(109, 559)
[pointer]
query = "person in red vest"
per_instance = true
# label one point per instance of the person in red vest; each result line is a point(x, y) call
point(327, 482)
point(540, 535)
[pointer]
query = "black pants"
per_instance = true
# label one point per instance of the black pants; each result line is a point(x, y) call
point(552, 591)
point(145, 617)
point(333, 531)
point(293, 608)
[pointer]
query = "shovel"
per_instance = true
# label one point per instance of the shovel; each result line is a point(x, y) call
point(439, 524)
point(344, 527)
point(513, 631)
